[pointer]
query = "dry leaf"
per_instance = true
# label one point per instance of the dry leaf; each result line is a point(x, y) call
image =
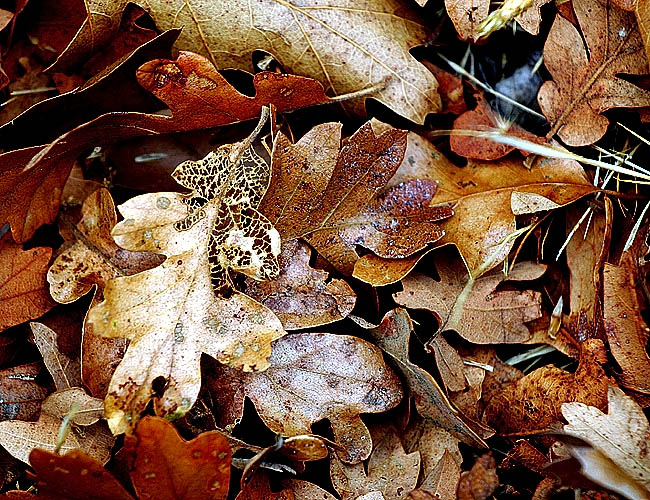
point(533, 402)
point(627, 332)
point(622, 435)
point(306, 39)
point(642, 11)
point(312, 376)
point(65, 370)
point(23, 289)
point(486, 315)
point(20, 394)
point(302, 490)
point(480, 482)
point(334, 196)
point(171, 313)
point(20, 438)
point(392, 336)
point(586, 81)
point(390, 471)
point(301, 296)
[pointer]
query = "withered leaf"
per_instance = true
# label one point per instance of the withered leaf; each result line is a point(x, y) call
point(392, 336)
point(334, 196)
point(627, 332)
point(622, 435)
point(390, 471)
point(20, 438)
point(306, 39)
point(486, 316)
point(534, 401)
point(171, 313)
point(586, 79)
point(481, 481)
point(65, 370)
point(313, 376)
point(301, 296)
point(23, 288)
point(20, 393)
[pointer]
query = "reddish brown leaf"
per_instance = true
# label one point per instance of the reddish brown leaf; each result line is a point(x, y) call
point(480, 482)
point(23, 288)
point(20, 394)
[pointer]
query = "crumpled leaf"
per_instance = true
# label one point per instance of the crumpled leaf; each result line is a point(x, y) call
point(94, 258)
point(392, 336)
point(171, 313)
point(586, 79)
point(627, 332)
point(20, 438)
point(534, 401)
point(164, 466)
point(621, 435)
point(390, 471)
point(23, 289)
point(301, 296)
point(487, 315)
point(312, 376)
point(334, 196)
point(307, 39)
point(481, 481)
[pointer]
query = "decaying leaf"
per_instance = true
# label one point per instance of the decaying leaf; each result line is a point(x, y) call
point(306, 39)
point(586, 79)
point(171, 313)
point(627, 332)
point(20, 393)
point(312, 376)
point(301, 296)
point(487, 315)
point(622, 436)
point(481, 481)
point(335, 196)
point(534, 401)
point(390, 471)
point(23, 288)
point(19, 437)
point(392, 336)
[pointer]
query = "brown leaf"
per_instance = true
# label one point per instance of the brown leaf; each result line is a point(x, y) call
point(65, 370)
point(302, 490)
point(258, 488)
point(301, 296)
point(534, 402)
point(390, 470)
point(23, 288)
point(586, 81)
point(392, 336)
point(642, 12)
point(467, 15)
point(20, 394)
point(627, 332)
point(480, 313)
point(622, 436)
point(337, 199)
point(480, 482)
point(313, 376)
point(20, 438)
point(374, 49)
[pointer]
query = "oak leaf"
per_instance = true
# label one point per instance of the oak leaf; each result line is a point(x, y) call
point(621, 435)
point(486, 315)
point(307, 38)
point(586, 79)
point(390, 471)
point(23, 288)
point(65, 370)
point(164, 466)
point(392, 336)
point(302, 297)
point(335, 196)
point(313, 376)
point(171, 313)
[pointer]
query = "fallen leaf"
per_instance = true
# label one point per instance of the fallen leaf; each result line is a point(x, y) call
point(466, 15)
point(301, 296)
point(534, 402)
point(307, 39)
point(586, 79)
point(450, 88)
point(20, 394)
point(481, 481)
point(171, 313)
point(312, 376)
point(642, 12)
point(390, 470)
point(621, 435)
point(486, 315)
point(23, 288)
point(65, 370)
point(332, 196)
point(627, 332)
point(392, 336)
point(303, 490)
point(20, 438)
point(378, 271)
point(258, 488)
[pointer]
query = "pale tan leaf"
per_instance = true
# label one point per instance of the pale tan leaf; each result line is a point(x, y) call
point(65, 371)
